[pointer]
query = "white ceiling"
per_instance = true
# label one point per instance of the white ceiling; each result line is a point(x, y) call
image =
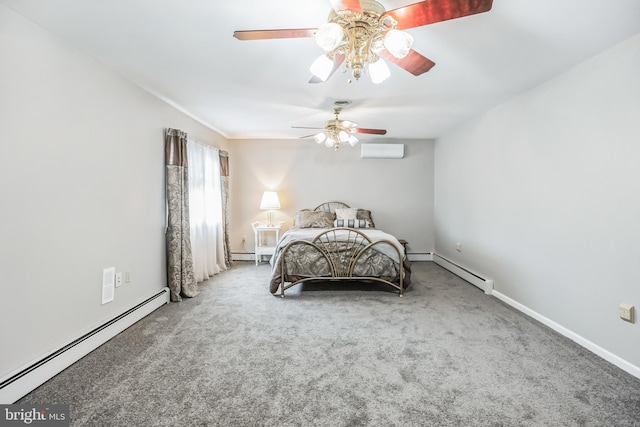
point(184, 52)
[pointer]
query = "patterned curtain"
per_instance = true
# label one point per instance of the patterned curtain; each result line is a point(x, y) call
point(224, 181)
point(180, 274)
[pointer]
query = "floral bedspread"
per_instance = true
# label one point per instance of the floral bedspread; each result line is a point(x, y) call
point(302, 260)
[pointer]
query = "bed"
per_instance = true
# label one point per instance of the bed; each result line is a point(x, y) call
point(336, 243)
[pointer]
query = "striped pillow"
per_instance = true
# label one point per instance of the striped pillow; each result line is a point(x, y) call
point(351, 223)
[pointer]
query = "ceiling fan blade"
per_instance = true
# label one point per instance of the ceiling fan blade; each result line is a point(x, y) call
point(414, 63)
point(337, 62)
point(339, 5)
point(432, 11)
point(307, 136)
point(274, 34)
point(304, 127)
point(370, 131)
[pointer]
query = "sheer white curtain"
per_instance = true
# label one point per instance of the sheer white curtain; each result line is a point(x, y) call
point(205, 210)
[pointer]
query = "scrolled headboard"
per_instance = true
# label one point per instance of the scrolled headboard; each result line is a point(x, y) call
point(330, 207)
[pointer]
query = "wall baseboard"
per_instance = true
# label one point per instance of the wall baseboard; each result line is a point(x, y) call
point(606, 355)
point(487, 286)
point(26, 379)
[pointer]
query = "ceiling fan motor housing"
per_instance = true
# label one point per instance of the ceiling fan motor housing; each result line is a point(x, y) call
point(363, 34)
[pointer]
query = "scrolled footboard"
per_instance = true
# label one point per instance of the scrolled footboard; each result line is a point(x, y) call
point(341, 254)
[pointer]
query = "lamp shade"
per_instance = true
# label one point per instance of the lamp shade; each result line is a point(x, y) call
point(270, 200)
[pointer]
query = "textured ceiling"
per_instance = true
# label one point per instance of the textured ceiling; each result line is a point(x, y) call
point(184, 52)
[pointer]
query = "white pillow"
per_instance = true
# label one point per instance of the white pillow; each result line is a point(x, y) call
point(350, 213)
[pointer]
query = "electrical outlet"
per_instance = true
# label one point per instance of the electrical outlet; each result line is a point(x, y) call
point(625, 311)
point(118, 279)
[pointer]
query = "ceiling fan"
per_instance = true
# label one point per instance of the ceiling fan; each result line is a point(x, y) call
point(337, 131)
point(362, 32)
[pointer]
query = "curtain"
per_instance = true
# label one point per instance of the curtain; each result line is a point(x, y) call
point(206, 215)
point(224, 182)
point(180, 272)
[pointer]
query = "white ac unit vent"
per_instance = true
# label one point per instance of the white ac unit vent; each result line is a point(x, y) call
point(381, 151)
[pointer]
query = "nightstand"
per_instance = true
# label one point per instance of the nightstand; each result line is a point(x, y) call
point(261, 231)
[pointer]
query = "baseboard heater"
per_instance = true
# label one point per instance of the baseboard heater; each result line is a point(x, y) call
point(28, 378)
point(485, 284)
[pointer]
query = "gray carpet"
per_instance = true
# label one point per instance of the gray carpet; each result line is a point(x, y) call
point(444, 355)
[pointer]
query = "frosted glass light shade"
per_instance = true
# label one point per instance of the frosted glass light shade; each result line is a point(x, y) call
point(398, 43)
point(343, 136)
point(328, 36)
point(320, 137)
point(270, 200)
point(322, 67)
point(379, 71)
point(352, 140)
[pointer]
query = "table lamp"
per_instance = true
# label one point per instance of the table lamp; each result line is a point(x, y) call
point(269, 202)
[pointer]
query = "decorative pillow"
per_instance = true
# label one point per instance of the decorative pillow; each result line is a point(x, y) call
point(348, 213)
point(296, 219)
point(310, 219)
point(351, 223)
point(366, 215)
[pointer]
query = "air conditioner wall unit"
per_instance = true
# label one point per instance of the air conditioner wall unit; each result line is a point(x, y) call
point(381, 151)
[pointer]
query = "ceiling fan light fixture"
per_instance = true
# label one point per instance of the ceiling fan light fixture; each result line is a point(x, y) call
point(337, 132)
point(357, 32)
point(398, 43)
point(328, 36)
point(320, 137)
point(379, 71)
point(322, 67)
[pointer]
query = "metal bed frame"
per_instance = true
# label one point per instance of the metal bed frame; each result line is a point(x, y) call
point(341, 255)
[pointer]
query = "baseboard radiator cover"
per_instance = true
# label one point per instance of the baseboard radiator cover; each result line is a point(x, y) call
point(26, 379)
point(485, 284)
point(243, 256)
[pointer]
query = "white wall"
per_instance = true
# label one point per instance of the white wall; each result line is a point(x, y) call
point(543, 192)
point(82, 187)
point(399, 192)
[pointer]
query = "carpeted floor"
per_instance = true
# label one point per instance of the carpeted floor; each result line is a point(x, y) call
point(444, 355)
